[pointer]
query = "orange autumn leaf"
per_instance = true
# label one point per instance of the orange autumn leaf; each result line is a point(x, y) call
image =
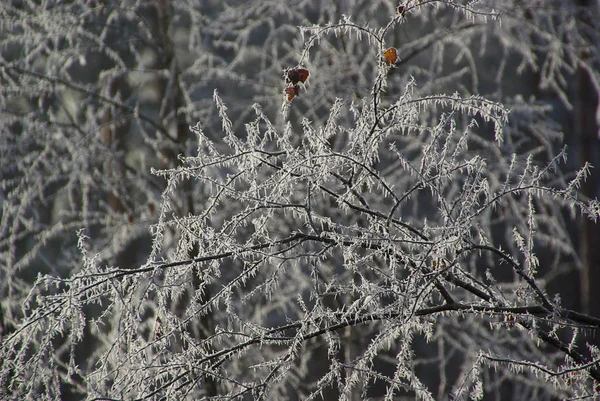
point(292, 92)
point(390, 56)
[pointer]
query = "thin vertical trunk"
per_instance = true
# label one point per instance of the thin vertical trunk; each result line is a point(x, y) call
point(587, 134)
point(171, 105)
point(587, 130)
point(113, 137)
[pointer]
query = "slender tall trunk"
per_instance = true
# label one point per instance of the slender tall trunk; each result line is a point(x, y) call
point(587, 131)
point(172, 103)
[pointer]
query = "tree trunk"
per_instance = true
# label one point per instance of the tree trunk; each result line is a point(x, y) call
point(587, 133)
point(172, 103)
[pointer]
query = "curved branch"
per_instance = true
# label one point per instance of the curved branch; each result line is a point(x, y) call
point(517, 268)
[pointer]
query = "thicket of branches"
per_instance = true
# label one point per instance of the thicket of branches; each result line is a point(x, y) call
point(184, 218)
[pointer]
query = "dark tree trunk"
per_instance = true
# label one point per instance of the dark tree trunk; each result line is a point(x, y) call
point(587, 133)
point(171, 109)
